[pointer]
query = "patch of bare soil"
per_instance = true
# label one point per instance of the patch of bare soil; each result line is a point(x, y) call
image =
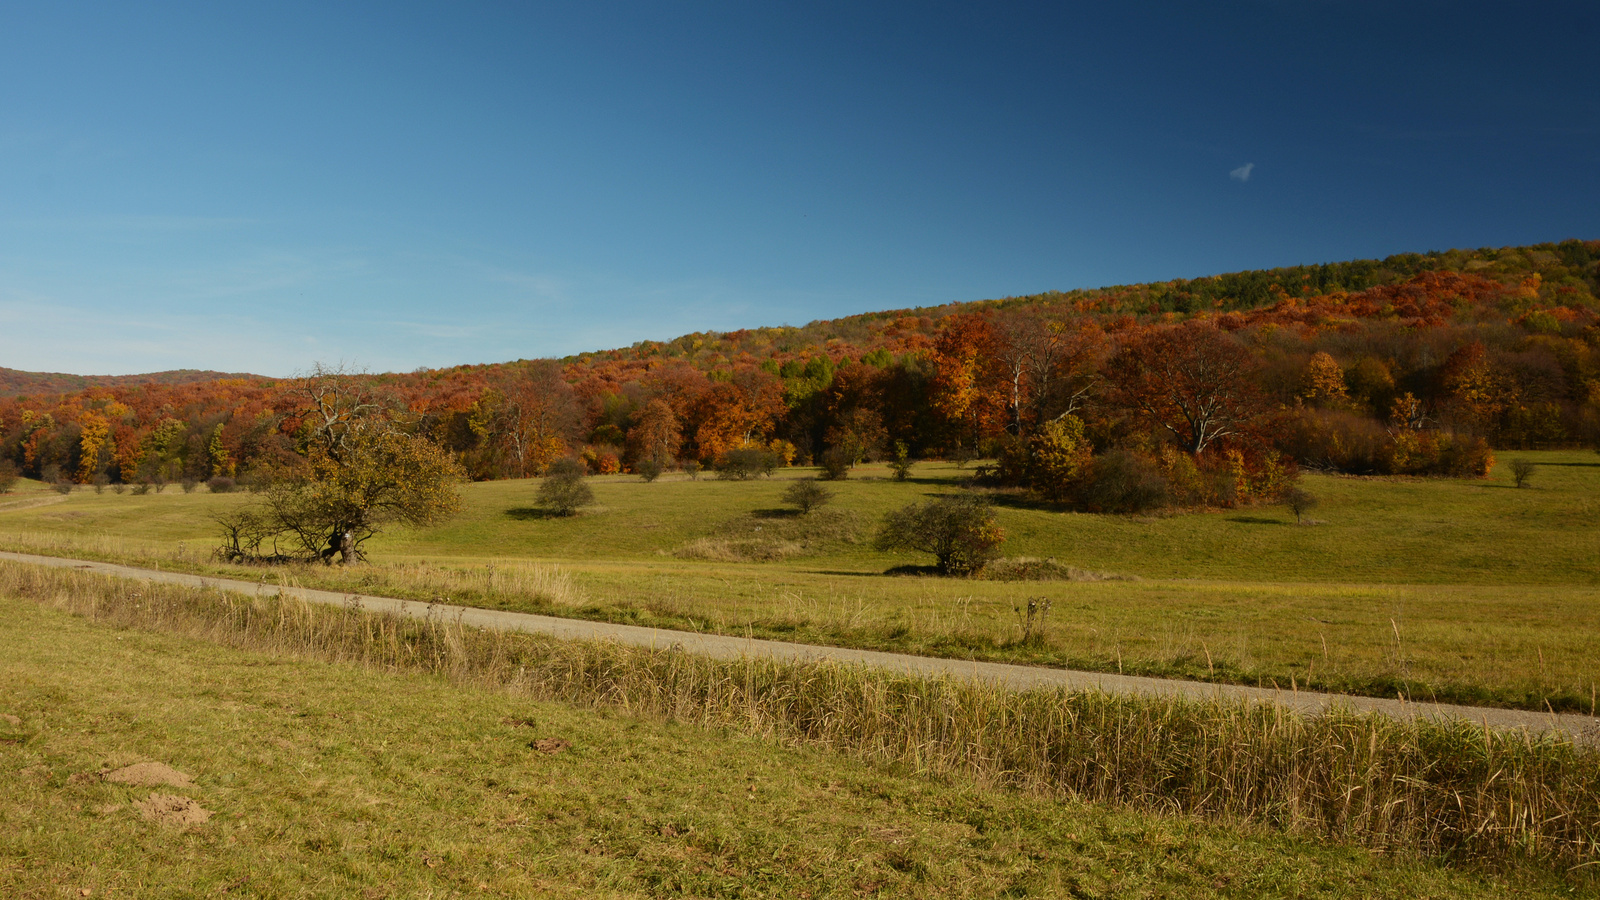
point(550, 745)
point(11, 720)
point(148, 774)
point(171, 809)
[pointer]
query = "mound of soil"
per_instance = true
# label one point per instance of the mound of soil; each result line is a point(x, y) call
point(148, 774)
point(171, 809)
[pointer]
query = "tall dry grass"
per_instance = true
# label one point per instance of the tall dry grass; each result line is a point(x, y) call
point(1453, 789)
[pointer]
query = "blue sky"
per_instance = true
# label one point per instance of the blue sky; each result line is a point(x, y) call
point(257, 187)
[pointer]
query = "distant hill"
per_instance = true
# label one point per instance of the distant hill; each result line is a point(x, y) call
point(17, 383)
point(1419, 363)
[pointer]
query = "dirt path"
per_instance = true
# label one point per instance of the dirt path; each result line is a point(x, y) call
point(724, 647)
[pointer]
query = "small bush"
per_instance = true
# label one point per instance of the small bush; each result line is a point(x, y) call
point(8, 475)
point(221, 484)
point(563, 490)
point(62, 486)
point(1300, 501)
point(960, 532)
point(746, 463)
point(142, 488)
point(1521, 470)
point(807, 495)
point(900, 462)
point(648, 469)
point(101, 479)
point(1121, 481)
point(118, 487)
point(189, 484)
point(835, 463)
point(691, 467)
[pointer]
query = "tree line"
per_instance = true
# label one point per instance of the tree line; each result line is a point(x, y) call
point(1200, 391)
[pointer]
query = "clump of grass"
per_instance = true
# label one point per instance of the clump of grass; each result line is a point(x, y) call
point(540, 583)
point(1436, 787)
point(1029, 568)
point(773, 535)
point(715, 549)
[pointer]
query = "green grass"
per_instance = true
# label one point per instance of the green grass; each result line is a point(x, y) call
point(331, 779)
point(1464, 591)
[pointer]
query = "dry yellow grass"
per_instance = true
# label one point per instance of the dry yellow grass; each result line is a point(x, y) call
point(1455, 789)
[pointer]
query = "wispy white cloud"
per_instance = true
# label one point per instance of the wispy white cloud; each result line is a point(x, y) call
point(1243, 172)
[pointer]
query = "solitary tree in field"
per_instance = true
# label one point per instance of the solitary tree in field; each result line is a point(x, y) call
point(380, 478)
point(900, 461)
point(1521, 470)
point(563, 490)
point(1300, 501)
point(960, 532)
point(807, 495)
point(360, 472)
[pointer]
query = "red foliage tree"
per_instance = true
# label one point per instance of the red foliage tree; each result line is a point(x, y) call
point(1192, 380)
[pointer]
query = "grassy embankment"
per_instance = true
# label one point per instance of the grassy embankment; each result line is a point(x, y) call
point(337, 751)
point(1464, 591)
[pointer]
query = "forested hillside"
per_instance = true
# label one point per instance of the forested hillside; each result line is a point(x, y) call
point(17, 383)
point(1210, 389)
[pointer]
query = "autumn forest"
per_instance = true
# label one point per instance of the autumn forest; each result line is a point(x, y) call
point(1196, 392)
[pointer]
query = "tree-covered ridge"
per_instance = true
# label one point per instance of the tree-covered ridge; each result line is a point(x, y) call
point(17, 383)
point(1567, 276)
point(1215, 387)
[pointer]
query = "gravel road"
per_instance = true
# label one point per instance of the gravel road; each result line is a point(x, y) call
point(1586, 728)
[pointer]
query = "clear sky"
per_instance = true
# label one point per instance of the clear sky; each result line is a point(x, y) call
point(257, 187)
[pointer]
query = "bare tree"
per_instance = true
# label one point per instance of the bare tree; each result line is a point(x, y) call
point(1521, 470)
point(335, 402)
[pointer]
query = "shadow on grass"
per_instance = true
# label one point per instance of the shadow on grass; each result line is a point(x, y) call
point(939, 481)
point(774, 513)
point(527, 513)
point(1018, 500)
point(1256, 520)
point(896, 572)
point(913, 570)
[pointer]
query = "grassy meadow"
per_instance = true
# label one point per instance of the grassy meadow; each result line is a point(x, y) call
point(1468, 591)
point(334, 753)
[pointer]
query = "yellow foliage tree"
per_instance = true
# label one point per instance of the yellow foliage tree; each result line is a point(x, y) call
point(93, 442)
point(1323, 384)
point(1058, 455)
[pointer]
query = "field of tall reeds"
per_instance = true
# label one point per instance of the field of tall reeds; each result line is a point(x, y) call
point(1455, 790)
